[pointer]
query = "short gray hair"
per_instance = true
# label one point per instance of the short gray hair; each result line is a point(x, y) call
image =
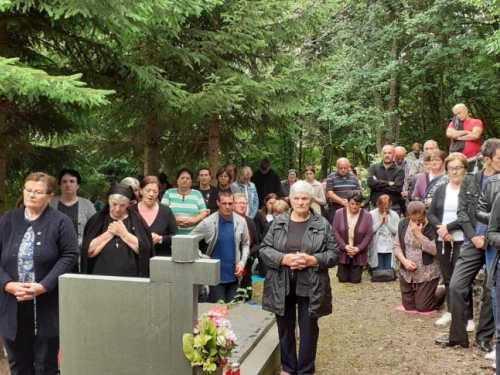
point(130, 181)
point(302, 186)
point(240, 195)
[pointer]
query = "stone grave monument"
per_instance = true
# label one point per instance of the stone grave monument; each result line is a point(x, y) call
point(134, 326)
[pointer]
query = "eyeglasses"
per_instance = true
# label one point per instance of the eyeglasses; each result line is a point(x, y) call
point(241, 203)
point(455, 169)
point(37, 193)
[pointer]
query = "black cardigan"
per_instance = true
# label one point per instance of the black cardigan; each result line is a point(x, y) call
point(98, 224)
point(56, 251)
point(436, 210)
point(164, 225)
point(428, 232)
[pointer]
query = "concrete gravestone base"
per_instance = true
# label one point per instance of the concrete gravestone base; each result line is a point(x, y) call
point(134, 326)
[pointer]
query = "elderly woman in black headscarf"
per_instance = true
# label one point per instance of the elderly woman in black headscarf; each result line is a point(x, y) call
point(117, 241)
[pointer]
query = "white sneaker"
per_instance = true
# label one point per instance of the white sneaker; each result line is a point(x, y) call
point(444, 320)
point(471, 326)
point(491, 355)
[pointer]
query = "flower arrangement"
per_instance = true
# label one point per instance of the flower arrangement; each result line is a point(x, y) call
point(212, 342)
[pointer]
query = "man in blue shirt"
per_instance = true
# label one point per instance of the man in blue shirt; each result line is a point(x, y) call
point(226, 235)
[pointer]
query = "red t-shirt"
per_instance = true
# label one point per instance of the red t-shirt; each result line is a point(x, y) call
point(471, 147)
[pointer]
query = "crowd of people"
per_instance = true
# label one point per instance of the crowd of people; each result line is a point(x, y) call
point(434, 215)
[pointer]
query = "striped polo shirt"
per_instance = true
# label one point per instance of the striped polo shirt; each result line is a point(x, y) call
point(184, 206)
point(342, 186)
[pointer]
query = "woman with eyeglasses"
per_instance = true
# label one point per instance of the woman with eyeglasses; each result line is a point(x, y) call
point(443, 217)
point(187, 204)
point(37, 245)
point(353, 230)
point(160, 218)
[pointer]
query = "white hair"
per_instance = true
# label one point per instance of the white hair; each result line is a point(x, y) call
point(459, 106)
point(302, 186)
point(130, 181)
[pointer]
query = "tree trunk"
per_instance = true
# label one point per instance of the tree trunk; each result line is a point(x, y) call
point(393, 126)
point(3, 132)
point(151, 149)
point(3, 158)
point(213, 145)
point(378, 104)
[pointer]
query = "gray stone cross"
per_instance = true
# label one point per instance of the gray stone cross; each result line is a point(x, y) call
point(125, 325)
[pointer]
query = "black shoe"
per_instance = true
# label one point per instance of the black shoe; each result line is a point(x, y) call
point(484, 346)
point(447, 342)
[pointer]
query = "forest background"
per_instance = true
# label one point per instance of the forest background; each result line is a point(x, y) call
point(114, 88)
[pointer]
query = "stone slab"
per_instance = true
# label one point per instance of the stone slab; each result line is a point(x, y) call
point(257, 337)
point(125, 332)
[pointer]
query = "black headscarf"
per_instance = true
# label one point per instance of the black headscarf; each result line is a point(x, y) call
point(98, 224)
point(122, 189)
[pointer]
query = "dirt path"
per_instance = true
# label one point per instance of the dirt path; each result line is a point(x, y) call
point(365, 335)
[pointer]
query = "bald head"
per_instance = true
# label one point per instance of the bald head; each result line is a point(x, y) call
point(343, 166)
point(399, 155)
point(387, 155)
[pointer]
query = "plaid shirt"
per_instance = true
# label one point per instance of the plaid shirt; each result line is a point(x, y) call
point(406, 166)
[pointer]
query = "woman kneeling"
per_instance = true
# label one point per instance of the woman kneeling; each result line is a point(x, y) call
point(416, 250)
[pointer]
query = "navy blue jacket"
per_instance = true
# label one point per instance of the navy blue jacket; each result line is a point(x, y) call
point(56, 252)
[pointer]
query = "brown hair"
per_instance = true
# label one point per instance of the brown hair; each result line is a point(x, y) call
point(438, 154)
point(150, 180)
point(384, 201)
point(456, 156)
point(263, 211)
point(49, 180)
point(310, 168)
point(416, 208)
point(221, 171)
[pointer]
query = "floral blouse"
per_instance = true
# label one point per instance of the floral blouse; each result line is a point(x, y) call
point(25, 262)
point(413, 252)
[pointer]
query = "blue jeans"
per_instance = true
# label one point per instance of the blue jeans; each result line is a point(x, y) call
point(223, 292)
point(384, 261)
point(490, 255)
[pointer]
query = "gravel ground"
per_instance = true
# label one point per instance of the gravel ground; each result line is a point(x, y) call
point(365, 335)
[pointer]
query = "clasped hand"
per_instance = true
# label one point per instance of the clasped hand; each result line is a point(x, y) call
point(117, 228)
point(299, 261)
point(352, 250)
point(24, 291)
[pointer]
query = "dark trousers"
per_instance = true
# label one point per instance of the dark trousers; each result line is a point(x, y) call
point(246, 281)
point(28, 354)
point(497, 292)
point(223, 292)
point(309, 333)
point(422, 297)
point(349, 273)
point(447, 262)
point(470, 261)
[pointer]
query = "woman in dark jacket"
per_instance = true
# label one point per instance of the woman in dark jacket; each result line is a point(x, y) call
point(353, 230)
point(443, 217)
point(117, 241)
point(415, 248)
point(298, 249)
point(160, 218)
point(37, 245)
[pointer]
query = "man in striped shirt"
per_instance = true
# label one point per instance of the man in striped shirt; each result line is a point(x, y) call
point(339, 184)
